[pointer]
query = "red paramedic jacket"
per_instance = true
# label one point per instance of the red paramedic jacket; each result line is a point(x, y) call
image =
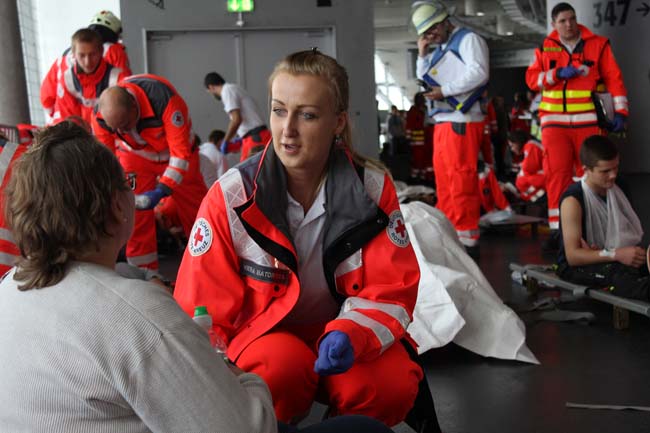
point(80, 91)
point(241, 263)
point(164, 127)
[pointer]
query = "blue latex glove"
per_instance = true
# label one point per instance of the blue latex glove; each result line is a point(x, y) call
point(233, 145)
point(335, 354)
point(149, 199)
point(567, 72)
point(618, 123)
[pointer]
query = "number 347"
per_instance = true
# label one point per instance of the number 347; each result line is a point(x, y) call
point(608, 15)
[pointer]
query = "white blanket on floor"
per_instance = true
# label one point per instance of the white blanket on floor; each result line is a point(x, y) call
point(455, 302)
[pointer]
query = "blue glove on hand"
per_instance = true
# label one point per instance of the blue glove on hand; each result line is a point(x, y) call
point(223, 147)
point(335, 354)
point(567, 72)
point(618, 123)
point(233, 145)
point(149, 199)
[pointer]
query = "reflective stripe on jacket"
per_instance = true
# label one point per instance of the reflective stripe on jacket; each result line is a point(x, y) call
point(415, 126)
point(80, 91)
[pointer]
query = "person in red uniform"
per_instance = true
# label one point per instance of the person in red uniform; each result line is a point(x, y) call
point(149, 122)
point(109, 27)
point(459, 126)
point(416, 135)
point(302, 258)
point(520, 115)
point(88, 77)
point(568, 67)
point(531, 179)
point(9, 152)
point(492, 197)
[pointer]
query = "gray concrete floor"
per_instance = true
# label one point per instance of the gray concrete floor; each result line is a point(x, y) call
point(593, 363)
point(579, 363)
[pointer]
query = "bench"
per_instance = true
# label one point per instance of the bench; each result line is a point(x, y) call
point(514, 221)
point(536, 275)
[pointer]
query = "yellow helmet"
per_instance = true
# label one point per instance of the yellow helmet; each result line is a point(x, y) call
point(107, 19)
point(425, 14)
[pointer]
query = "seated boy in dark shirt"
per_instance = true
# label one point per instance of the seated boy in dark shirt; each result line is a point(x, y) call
point(600, 232)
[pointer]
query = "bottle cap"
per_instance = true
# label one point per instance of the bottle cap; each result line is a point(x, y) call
point(200, 310)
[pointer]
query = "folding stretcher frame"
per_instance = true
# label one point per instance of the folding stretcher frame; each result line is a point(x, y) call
point(533, 275)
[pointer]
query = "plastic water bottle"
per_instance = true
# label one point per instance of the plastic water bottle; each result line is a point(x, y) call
point(204, 320)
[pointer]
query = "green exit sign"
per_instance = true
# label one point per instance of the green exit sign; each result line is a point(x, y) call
point(241, 5)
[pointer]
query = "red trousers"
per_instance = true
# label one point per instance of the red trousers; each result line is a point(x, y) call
point(455, 155)
point(491, 195)
point(383, 388)
point(249, 143)
point(142, 249)
point(561, 162)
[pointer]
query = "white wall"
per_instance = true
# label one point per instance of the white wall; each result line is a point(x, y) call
point(56, 21)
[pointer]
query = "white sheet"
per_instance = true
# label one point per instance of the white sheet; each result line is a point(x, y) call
point(455, 300)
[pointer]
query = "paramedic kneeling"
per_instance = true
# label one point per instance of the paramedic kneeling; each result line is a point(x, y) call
point(600, 231)
point(301, 256)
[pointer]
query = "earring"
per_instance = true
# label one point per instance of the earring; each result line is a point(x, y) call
point(338, 140)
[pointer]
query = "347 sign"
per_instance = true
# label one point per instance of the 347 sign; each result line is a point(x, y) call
point(614, 13)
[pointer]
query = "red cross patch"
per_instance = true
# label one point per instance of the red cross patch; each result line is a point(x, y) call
point(177, 119)
point(201, 238)
point(396, 229)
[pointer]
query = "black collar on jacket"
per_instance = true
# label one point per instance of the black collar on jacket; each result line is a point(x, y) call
point(352, 217)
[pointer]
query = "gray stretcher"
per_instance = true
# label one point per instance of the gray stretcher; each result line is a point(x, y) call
point(535, 275)
point(513, 221)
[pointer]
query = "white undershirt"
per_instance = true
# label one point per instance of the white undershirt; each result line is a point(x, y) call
point(571, 47)
point(315, 303)
point(212, 163)
point(236, 98)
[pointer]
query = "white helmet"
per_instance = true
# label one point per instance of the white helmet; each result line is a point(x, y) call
point(425, 14)
point(107, 19)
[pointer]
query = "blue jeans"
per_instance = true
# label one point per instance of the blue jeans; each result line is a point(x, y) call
point(340, 424)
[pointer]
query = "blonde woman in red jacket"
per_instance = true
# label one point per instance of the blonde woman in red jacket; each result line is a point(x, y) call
point(302, 258)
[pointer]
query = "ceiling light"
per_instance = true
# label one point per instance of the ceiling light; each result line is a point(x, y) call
point(480, 14)
point(505, 27)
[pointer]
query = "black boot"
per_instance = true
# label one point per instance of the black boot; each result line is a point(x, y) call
point(474, 252)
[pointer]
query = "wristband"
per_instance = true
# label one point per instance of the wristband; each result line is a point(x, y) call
point(607, 253)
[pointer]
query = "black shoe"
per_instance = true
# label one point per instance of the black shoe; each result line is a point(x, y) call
point(474, 252)
point(552, 243)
